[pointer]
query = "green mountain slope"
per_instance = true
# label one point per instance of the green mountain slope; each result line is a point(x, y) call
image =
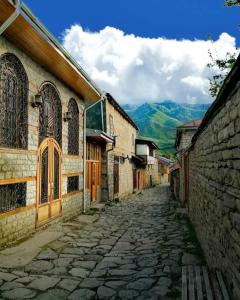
point(158, 121)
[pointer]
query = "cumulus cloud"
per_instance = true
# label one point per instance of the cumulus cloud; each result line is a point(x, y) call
point(136, 69)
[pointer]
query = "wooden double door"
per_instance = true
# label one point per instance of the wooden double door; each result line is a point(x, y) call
point(49, 195)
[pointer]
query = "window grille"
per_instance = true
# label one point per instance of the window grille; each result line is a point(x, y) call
point(73, 184)
point(50, 114)
point(13, 103)
point(12, 196)
point(73, 128)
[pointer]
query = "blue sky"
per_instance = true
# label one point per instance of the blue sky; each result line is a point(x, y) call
point(130, 24)
point(152, 18)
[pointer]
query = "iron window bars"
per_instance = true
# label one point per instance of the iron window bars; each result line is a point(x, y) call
point(73, 184)
point(12, 196)
point(13, 103)
point(73, 128)
point(50, 114)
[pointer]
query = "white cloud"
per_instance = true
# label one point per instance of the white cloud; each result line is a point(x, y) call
point(136, 69)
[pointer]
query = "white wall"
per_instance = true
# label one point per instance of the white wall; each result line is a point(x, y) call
point(142, 149)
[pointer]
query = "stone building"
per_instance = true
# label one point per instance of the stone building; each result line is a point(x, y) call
point(146, 149)
point(42, 94)
point(163, 166)
point(184, 135)
point(127, 163)
point(214, 181)
point(120, 155)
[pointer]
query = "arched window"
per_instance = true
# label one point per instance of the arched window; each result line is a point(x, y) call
point(73, 128)
point(13, 103)
point(50, 114)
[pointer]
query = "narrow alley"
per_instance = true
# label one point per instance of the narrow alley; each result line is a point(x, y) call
point(132, 250)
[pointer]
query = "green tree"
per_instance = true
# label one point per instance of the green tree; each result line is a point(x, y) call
point(221, 67)
point(232, 2)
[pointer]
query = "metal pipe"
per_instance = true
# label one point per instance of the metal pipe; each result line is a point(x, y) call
point(103, 98)
point(12, 18)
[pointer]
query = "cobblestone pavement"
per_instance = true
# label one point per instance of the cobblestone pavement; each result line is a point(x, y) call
point(133, 250)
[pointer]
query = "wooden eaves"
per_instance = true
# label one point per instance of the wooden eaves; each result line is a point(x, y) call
point(29, 35)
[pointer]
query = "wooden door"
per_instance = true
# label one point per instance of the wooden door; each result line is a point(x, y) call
point(94, 182)
point(49, 196)
point(116, 176)
point(186, 178)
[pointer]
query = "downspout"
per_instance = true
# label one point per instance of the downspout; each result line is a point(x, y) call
point(85, 148)
point(13, 16)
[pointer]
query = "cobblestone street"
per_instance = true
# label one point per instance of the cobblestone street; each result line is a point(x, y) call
point(132, 250)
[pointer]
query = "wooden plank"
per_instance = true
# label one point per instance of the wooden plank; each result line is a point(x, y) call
point(17, 180)
point(184, 283)
point(72, 174)
point(207, 284)
point(191, 287)
point(69, 195)
point(216, 288)
point(16, 211)
point(199, 283)
point(18, 151)
point(222, 286)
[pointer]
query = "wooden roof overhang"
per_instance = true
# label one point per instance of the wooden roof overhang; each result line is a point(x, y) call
point(32, 38)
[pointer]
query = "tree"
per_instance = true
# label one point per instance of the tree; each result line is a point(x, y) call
point(232, 2)
point(221, 67)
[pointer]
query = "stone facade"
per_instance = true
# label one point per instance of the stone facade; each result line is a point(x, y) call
point(153, 177)
point(17, 164)
point(186, 137)
point(125, 134)
point(183, 141)
point(214, 181)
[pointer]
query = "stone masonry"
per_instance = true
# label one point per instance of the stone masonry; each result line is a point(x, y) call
point(16, 164)
point(126, 134)
point(214, 195)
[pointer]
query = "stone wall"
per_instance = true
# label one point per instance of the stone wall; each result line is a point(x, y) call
point(186, 138)
point(16, 164)
point(153, 174)
point(214, 193)
point(125, 146)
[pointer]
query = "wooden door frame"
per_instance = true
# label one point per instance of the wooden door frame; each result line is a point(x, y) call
point(51, 144)
point(118, 178)
point(186, 177)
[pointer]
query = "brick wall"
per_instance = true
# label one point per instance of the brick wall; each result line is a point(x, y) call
point(214, 194)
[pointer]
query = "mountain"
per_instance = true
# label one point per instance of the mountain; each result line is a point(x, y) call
point(159, 120)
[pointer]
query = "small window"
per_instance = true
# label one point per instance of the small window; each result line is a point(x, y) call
point(73, 184)
point(133, 140)
point(111, 126)
point(12, 196)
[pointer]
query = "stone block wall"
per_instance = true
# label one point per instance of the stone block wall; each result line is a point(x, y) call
point(214, 193)
point(186, 138)
point(125, 146)
point(153, 174)
point(16, 164)
point(14, 227)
